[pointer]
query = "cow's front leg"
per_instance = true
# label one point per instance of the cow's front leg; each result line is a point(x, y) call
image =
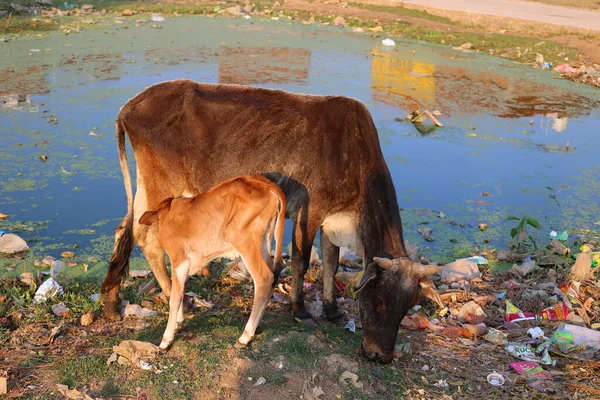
point(180, 274)
point(302, 240)
point(331, 256)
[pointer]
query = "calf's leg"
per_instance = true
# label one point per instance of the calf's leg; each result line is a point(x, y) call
point(263, 278)
point(331, 256)
point(147, 237)
point(180, 274)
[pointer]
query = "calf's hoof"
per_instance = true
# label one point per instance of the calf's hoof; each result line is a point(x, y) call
point(165, 346)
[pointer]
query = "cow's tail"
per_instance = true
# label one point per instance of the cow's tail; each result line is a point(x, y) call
point(279, 225)
point(119, 262)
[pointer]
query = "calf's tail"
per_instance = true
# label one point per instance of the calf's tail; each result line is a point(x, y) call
point(279, 225)
point(119, 262)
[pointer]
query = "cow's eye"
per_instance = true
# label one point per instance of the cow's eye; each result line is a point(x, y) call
point(379, 300)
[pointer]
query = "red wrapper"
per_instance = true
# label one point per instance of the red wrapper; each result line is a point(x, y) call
point(556, 313)
point(522, 316)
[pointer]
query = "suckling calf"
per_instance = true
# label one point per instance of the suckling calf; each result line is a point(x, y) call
point(236, 217)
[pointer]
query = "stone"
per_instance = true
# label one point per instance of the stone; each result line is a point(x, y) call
point(10, 243)
point(86, 319)
point(27, 278)
point(466, 46)
point(236, 10)
point(127, 12)
point(336, 362)
point(459, 270)
point(61, 310)
point(86, 8)
point(352, 377)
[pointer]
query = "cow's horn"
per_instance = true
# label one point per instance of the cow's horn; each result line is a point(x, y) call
point(429, 270)
point(386, 263)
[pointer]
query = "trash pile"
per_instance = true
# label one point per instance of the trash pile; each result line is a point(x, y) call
point(582, 74)
point(539, 319)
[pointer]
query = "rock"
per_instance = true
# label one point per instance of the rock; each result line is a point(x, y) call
point(236, 10)
point(127, 12)
point(86, 319)
point(260, 381)
point(388, 42)
point(352, 377)
point(339, 21)
point(376, 29)
point(466, 46)
point(358, 30)
point(248, 8)
point(336, 362)
point(27, 278)
point(425, 231)
point(411, 251)
point(44, 2)
point(10, 243)
point(379, 387)
point(582, 269)
point(459, 270)
point(61, 310)
point(137, 310)
point(67, 254)
point(86, 8)
point(483, 227)
point(314, 342)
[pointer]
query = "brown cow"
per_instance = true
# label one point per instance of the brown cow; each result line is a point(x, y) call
point(236, 217)
point(324, 154)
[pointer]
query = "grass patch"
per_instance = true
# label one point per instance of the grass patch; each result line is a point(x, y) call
point(405, 12)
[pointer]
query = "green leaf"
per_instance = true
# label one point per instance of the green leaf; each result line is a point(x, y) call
point(514, 232)
point(512, 218)
point(533, 222)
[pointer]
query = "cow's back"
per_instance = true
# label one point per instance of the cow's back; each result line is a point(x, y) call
point(189, 136)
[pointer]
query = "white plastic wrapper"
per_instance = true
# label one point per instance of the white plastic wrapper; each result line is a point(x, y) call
point(48, 289)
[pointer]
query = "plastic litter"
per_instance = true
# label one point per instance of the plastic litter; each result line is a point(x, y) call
point(388, 42)
point(57, 268)
point(351, 326)
point(496, 337)
point(137, 310)
point(472, 313)
point(523, 269)
point(477, 260)
point(157, 18)
point(533, 373)
point(525, 352)
point(536, 332)
point(61, 310)
point(557, 312)
point(495, 379)
point(47, 290)
point(135, 351)
point(260, 381)
point(571, 337)
point(515, 314)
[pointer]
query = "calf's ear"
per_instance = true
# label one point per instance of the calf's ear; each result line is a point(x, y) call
point(148, 218)
point(369, 274)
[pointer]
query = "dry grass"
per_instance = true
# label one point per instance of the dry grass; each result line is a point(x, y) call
point(585, 4)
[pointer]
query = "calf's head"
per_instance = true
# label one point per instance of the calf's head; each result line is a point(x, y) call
point(150, 217)
point(388, 289)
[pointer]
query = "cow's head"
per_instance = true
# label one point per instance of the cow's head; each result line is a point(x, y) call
point(388, 289)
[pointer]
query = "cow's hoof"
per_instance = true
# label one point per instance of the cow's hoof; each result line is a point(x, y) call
point(336, 315)
point(239, 345)
point(112, 315)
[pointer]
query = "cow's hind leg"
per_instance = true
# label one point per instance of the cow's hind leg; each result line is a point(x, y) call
point(259, 266)
point(180, 274)
point(331, 255)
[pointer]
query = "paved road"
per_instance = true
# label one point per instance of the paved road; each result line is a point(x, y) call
point(520, 9)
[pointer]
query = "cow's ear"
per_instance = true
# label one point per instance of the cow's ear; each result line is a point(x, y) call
point(430, 291)
point(369, 274)
point(148, 218)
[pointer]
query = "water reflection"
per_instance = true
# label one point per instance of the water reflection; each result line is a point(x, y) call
point(263, 65)
point(98, 66)
point(28, 80)
point(402, 80)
